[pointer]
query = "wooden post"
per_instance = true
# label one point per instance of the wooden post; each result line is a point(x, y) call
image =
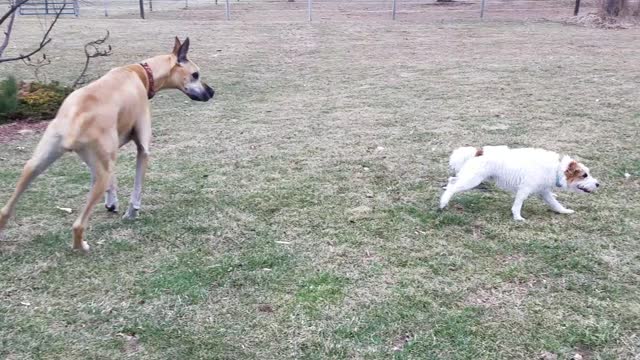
point(106, 6)
point(577, 8)
point(309, 5)
point(227, 12)
point(482, 9)
point(142, 9)
point(393, 11)
point(150, 5)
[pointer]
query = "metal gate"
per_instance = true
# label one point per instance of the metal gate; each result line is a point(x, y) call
point(50, 7)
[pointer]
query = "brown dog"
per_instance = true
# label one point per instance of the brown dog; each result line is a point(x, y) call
point(96, 120)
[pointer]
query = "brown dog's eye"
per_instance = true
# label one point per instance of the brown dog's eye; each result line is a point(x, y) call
point(585, 175)
point(195, 75)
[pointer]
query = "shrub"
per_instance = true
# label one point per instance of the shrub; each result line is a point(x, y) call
point(41, 101)
point(33, 101)
point(8, 98)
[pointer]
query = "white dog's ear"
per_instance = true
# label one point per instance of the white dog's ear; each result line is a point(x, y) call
point(573, 171)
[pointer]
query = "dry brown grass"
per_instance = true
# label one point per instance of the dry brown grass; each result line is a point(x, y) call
point(249, 201)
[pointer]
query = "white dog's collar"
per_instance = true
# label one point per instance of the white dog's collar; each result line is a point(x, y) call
point(558, 181)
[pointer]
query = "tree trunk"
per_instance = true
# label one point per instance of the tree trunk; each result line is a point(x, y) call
point(614, 7)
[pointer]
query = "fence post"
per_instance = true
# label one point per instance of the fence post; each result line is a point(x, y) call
point(482, 9)
point(393, 11)
point(227, 12)
point(142, 9)
point(309, 5)
point(577, 8)
point(150, 5)
point(106, 6)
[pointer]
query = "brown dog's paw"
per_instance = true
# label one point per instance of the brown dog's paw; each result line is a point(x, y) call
point(84, 249)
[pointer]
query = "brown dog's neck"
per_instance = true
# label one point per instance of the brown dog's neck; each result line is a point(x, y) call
point(161, 69)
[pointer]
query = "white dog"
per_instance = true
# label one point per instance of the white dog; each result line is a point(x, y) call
point(524, 172)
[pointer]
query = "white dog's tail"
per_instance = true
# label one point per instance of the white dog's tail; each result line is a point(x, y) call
point(460, 156)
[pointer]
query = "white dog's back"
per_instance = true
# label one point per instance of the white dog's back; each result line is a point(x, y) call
point(513, 168)
point(461, 155)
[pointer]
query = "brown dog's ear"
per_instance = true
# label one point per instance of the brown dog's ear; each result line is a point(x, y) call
point(176, 46)
point(182, 51)
point(573, 165)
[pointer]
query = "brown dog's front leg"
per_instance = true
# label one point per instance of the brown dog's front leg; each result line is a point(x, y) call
point(142, 140)
point(111, 196)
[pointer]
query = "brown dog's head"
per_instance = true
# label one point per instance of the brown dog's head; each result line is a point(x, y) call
point(185, 75)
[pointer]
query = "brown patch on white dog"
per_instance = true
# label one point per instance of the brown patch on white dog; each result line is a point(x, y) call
point(573, 172)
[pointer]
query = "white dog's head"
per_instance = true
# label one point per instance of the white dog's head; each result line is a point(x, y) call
point(578, 177)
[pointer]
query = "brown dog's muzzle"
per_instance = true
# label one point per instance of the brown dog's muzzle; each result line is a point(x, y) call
point(205, 95)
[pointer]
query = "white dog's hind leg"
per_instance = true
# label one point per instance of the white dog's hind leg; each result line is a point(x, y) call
point(521, 196)
point(450, 182)
point(465, 181)
point(550, 199)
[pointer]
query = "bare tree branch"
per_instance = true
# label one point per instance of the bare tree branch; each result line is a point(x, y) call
point(12, 10)
point(92, 50)
point(45, 39)
point(7, 34)
point(37, 66)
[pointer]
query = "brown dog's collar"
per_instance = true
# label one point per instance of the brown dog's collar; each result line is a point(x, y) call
point(151, 92)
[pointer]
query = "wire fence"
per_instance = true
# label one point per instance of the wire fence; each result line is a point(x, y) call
point(322, 10)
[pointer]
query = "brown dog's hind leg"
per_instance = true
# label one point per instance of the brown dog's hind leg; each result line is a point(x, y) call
point(48, 150)
point(101, 166)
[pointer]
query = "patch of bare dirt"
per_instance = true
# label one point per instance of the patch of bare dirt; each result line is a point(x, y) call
point(506, 295)
point(400, 342)
point(130, 344)
point(15, 130)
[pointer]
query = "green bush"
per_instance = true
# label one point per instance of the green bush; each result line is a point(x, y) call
point(8, 98)
point(35, 101)
point(42, 101)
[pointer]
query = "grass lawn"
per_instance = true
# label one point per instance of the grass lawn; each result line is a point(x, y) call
point(295, 216)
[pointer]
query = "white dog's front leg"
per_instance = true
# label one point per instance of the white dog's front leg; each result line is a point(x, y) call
point(521, 196)
point(550, 199)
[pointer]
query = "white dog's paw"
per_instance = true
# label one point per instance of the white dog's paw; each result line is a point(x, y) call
point(131, 214)
point(566, 211)
point(518, 218)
